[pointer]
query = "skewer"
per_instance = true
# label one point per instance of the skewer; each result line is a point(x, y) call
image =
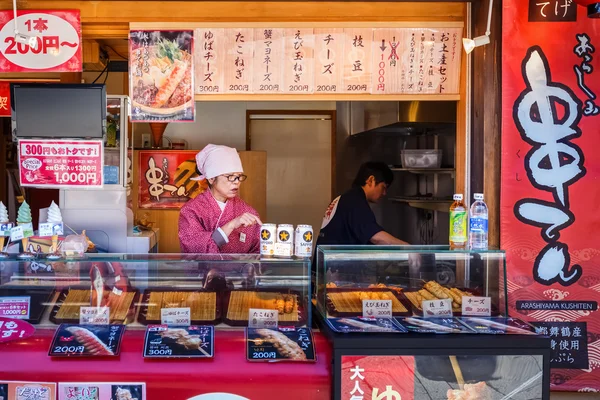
point(457, 372)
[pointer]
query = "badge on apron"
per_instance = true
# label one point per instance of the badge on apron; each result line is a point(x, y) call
point(243, 237)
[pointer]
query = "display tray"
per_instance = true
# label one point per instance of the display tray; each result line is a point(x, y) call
point(347, 302)
point(40, 298)
point(239, 302)
point(124, 313)
point(415, 297)
point(205, 307)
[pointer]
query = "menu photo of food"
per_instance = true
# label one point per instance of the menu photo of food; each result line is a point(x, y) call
point(102, 391)
point(164, 341)
point(12, 390)
point(281, 344)
point(161, 75)
point(87, 340)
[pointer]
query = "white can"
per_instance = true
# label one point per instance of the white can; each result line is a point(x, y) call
point(304, 241)
point(285, 240)
point(268, 237)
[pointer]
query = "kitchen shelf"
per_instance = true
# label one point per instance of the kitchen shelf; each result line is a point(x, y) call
point(424, 170)
point(434, 204)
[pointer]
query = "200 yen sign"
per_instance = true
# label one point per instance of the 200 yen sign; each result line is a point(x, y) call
point(68, 349)
point(264, 354)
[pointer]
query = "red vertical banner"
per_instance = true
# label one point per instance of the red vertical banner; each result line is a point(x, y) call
point(378, 377)
point(550, 175)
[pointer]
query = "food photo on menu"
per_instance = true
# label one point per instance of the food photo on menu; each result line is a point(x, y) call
point(282, 344)
point(87, 340)
point(181, 341)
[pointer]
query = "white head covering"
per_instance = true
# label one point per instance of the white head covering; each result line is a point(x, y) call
point(216, 160)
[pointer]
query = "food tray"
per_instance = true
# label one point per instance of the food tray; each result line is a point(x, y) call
point(423, 158)
point(239, 302)
point(209, 312)
point(416, 306)
point(39, 298)
point(346, 302)
point(55, 318)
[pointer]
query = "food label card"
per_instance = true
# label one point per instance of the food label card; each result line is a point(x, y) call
point(12, 390)
point(16, 233)
point(94, 315)
point(377, 308)
point(261, 318)
point(176, 316)
point(5, 229)
point(363, 325)
point(439, 308)
point(193, 341)
point(281, 344)
point(477, 306)
point(101, 391)
point(87, 340)
point(15, 307)
point(50, 229)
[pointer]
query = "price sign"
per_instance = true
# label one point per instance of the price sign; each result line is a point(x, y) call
point(15, 307)
point(16, 234)
point(176, 316)
point(5, 229)
point(260, 318)
point(283, 250)
point(94, 315)
point(50, 229)
point(437, 308)
point(377, 308)
point(477, 306)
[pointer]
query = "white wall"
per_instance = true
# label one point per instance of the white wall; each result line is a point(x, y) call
point(224, 122)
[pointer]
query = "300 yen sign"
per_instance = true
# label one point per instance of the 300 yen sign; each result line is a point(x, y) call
point(164, 352)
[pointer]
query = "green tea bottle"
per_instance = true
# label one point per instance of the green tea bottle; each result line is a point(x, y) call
point(458, 223)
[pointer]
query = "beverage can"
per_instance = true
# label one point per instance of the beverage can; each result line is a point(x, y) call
point(268, 237)
point(304, 241)
point(285, 240)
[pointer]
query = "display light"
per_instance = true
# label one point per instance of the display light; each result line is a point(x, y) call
point(470, 44)
point(32, 41)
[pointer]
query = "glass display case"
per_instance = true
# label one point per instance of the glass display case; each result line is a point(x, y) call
point(218, 289)
point(406, 275)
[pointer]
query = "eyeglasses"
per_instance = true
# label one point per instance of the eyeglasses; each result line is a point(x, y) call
point(233, 178)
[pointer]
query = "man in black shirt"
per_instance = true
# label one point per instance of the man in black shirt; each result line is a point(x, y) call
point(349, 219)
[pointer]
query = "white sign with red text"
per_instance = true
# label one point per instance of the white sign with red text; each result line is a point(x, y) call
point(61, 163)
point(176, 316)
point(263, 318)
point(440, 308)
point(94, 316)
point(477, 306)
point(58, 37)
point(377, 308)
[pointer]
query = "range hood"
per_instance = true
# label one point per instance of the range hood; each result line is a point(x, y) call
point(398, 118)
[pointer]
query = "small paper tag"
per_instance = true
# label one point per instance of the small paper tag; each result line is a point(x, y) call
point(15, 307)
point(27, 230)
point(477, 306)
point(261, 318)
point(94, 315)
point(49, 229)
point(5, 229)
point(243, 237)
point(176, 316)
point(283, 249)
point(377, 308)
point(437, 308)
point(16, 234)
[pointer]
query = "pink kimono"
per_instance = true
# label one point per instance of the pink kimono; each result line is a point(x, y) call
point(198, 222)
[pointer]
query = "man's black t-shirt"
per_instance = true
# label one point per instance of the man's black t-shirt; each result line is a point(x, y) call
point(349, 220)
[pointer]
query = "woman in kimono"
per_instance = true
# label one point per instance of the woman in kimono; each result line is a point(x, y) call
point(218, 221)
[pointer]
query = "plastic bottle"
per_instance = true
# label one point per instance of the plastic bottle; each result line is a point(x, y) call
point(478, 233)
point(458, 223)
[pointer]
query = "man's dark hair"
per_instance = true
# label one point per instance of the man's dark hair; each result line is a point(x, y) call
point(379, 170)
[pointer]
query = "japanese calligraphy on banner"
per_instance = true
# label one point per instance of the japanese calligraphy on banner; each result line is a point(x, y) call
point(550, 170)
point(165, 178)
point(57, 34)
point(12, 390)
point(61, 163)
point(378, 377)
point(161, 76)
point(328, 60)
point(4, 99)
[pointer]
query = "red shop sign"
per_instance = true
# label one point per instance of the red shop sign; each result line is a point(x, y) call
point(4, 99)
point(61, 163)
point(14, 329)
point(58, 34)
point(378, 377)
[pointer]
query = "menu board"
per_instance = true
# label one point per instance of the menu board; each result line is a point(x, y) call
point(326, 60)
point(87, 340)
point(192, 341)
point(282, 344)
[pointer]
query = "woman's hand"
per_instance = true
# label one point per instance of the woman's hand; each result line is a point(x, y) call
point(245, 219)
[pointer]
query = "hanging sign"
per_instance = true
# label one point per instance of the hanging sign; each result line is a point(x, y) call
point(550, 170)
point(61, 163)
point(57, 34)
point(4, 99)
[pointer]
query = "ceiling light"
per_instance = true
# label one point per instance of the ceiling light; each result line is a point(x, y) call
point(470, 44)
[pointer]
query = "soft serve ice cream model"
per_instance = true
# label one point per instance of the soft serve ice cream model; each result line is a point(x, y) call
point(55, 219)
point(3, 232)
point(24, 220)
